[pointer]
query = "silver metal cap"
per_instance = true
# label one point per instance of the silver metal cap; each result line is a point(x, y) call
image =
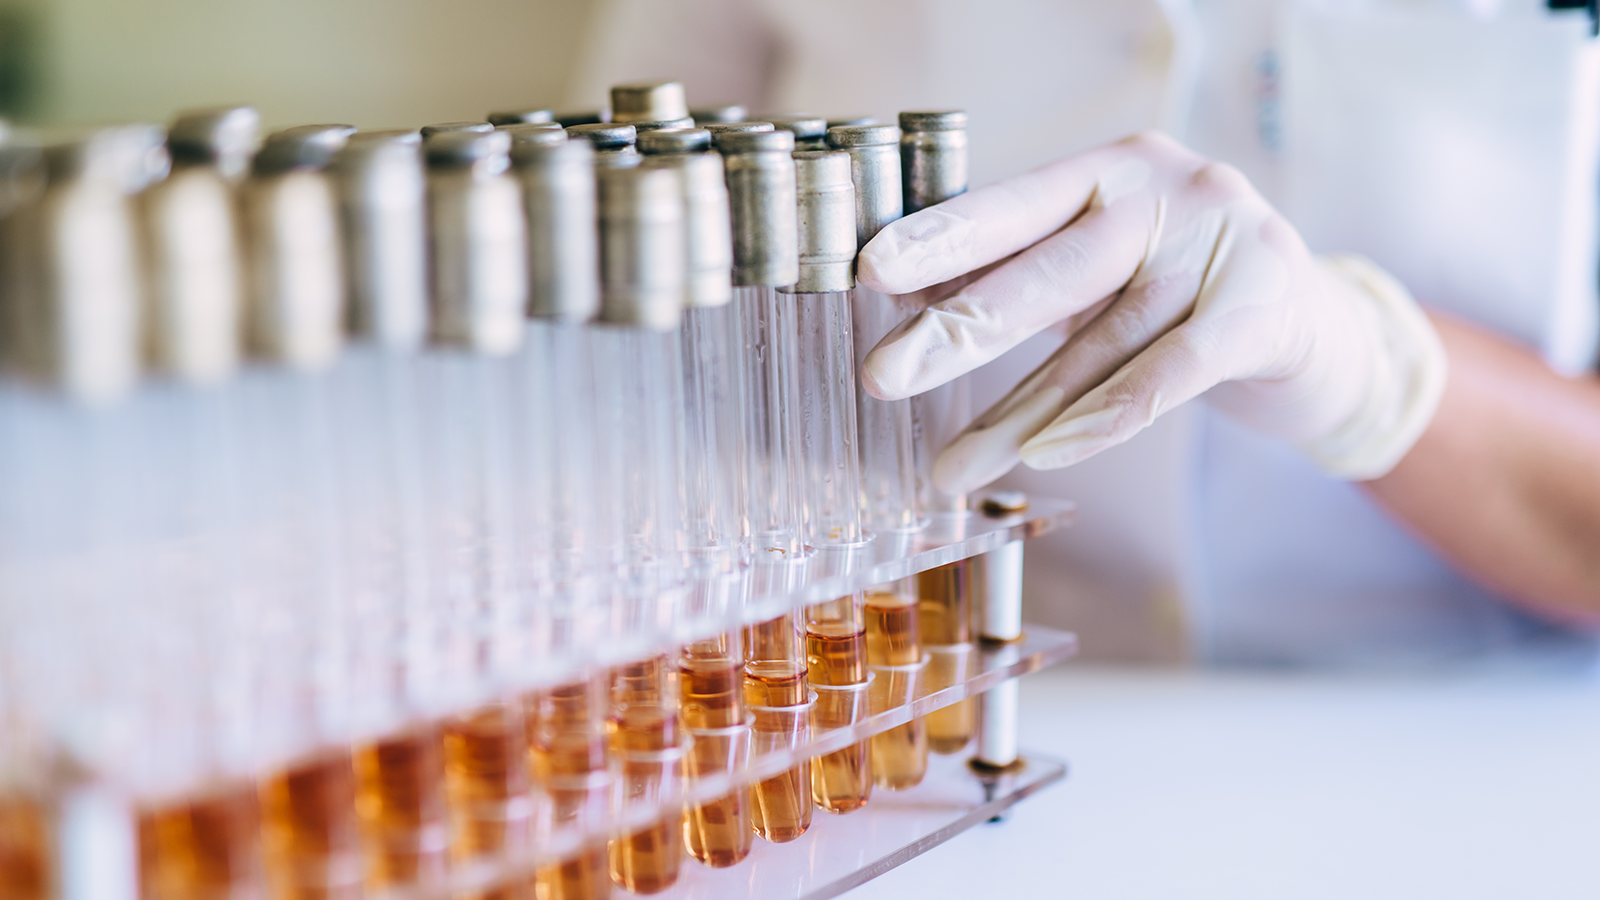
point(429, 131)
point(708, 229)
point(479, 239)
point(650, 101)
point(302, 147)
point(525, 136)
point(851, 120)
point(558, 191)
point(810, 132)
point(521, 117)
point(718, 128)
point(827, 222)
point(569, 119)
point(225, 137)
point(645, 127)
point(675, 140)
point(933, 157)
point(604, 136)
point(875, 171)
point(195, 275)
point(383, 198)
point(762, 194)
point(708, 115)
point(642, 253)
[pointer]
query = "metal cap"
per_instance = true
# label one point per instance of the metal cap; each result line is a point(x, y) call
point(642, 253)
point(224, 137)
point(675, 140)
point(429, 131)
point(827, 222)
point(570, 119)
point(852, 120)
point(383, 198)
point(708, 230)
point(650, 101)
point(521, 117)
point(558, 195)
point(707, 115)
point(806, 129)
point(524, 136)
point(302, 147)
point(933, 157)
point(468, 149)
point(875, 171)
point(762, 194)
point(719, 128)
point(604, 136)
point(643, 127)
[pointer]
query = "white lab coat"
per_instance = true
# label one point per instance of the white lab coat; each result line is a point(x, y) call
point(1453, 141)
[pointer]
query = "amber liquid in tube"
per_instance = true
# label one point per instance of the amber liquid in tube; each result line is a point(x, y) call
point(944, 610)
point(197, 850)
point(486, 781)
point(24, 850)
point(899, 755)
point(400, 808)
point(836, 655)
point(646, 861)
point(308, 832)
point(567, 748)
point(711, 688)
point(780, 806)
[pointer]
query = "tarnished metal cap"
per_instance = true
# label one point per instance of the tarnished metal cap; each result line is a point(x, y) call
point(827, 221)
point(486, 150)
point(933, 157)
point(721, 128)
point(761, 189)
point(558, 191)
point(478, 230)
point(521, 117)
point(851, 120)
point(642, 253)
point(875, 171)
point(604, 136)
point(383, 197)
point(590, 117)
point(645, 127)
point(708, 115)
point(302, 147)
point(707, 227)
point(650, 101)
point(224, 137)
point(810, 132)
point(675, 140)
point(429, 131)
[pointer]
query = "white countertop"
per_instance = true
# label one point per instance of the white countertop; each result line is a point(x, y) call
point(1268, 785)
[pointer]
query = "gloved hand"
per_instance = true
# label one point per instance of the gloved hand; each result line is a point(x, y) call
point(1173, 278)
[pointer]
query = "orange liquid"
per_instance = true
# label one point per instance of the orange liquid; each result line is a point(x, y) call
point(203, 848)
point(711, 692)
point(841, 782)
point(719, 833)
point(400, 808)
point(309, 831)
point(944, 604)
point(836, 653)
point(893, 638)
point(24, 850)
point(775, 684)
point(486, 781)
point(582, 878)
point(648, 861)
point(781, 806)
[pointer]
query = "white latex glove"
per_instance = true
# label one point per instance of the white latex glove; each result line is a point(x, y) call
point(1172, 278)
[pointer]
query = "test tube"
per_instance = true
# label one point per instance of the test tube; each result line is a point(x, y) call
point(718, 832)
point(645, 742)
point(567, 751)
point(766, 255)
point(894, 651)
point(836, 657)
point(933, 150)
point(710, 473)
point(650, 101)
point(776, 693)
point(25, 848)
point(486, 781)
point(193, 249)
point(888, 460)
point(637, 378)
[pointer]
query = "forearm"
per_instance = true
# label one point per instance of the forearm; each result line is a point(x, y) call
point(1506, 480)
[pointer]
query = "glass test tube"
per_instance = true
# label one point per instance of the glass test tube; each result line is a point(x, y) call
point(645, 742)
point(836, 656)
point(894, 650)
point(776, 692)
point(568, 753)
point(933, 149)
point(711, 703)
